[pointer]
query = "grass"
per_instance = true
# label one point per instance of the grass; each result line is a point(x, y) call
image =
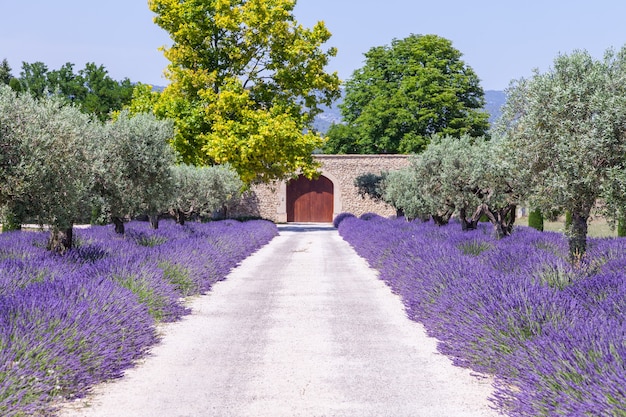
point(598, 226)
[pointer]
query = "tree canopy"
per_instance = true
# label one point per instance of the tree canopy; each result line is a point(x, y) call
point(5, 72)
point(405, 93)
point(91, 89)
point(567, 130)
point(201, 191)
point(44, 163)
point(131, 168)
point(246, 81)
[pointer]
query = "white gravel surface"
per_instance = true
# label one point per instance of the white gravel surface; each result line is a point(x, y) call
point(301, 328)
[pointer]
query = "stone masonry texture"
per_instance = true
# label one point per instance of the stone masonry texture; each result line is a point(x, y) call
point(269, 201)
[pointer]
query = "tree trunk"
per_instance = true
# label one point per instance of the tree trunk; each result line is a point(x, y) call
point(154, 220)
point(180, 217)
point(578, 236)
point(472, 223)
point(61, 240)
point(508, 218)
point(119, 225)
point(442, 219)
point(502, 219)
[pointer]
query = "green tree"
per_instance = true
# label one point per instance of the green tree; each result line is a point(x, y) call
point(535, 220)
point(246, 81)
point(91, 89)
point(132, 168)
point(407, 92)
point(566, 128)
point(418, 190)
point(471, 177)
point(200, 191)
point(45, 167)
point(66, 83)
point(5, 72)
point(33, 78)
point(102, 94)
point(342, 139)
point(402, 191)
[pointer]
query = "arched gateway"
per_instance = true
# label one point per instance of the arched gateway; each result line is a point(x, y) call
point(310, 200)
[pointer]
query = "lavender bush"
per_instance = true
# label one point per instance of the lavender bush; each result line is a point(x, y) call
point(69, 322)
point(552, 333)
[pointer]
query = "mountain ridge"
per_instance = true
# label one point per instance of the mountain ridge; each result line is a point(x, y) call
point(494, 100)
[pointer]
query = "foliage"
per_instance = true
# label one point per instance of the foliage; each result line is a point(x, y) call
point(200, 191)
point(132, 167)
point(550, 333)
point(71, 322)
point(566, 128)
point(535, 220)
point(406, 92)
point(5, 72)
point(45, 163)
point(621, 228)
point(467, 176)
point(246, 81)
point(342, 139)
point(371, 185)
point(91, 89)
point(401, 190)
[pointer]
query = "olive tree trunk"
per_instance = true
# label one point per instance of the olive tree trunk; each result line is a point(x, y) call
point(578, 235)
point(442, 219)
point(502, 219)
point(154, 220)
point(119, 225)
point(61, 240)
point(472, 222)
point(179, 215)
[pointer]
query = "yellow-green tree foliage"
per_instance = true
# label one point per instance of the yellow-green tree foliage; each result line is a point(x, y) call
point(246, 81)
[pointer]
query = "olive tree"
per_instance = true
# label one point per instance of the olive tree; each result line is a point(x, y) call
point(45, 167)
point(466, 176)
point(401, 190)
point(132, 168)
point(200, 191)
point(566, 128)
point(493, 185)
point(418, 190)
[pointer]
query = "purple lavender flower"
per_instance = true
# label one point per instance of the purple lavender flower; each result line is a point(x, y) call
point(69, 322)
point(553, 334)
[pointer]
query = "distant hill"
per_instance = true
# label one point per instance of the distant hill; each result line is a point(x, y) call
point(329, 116)
point(494, 100)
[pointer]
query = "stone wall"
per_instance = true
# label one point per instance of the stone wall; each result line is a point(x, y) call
point(270, 201)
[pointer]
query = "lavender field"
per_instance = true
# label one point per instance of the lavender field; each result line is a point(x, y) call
point(69, 322)
point(553, 334)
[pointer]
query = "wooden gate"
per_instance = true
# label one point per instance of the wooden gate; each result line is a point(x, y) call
point(310, 200)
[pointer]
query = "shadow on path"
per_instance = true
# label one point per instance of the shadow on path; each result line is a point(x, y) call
point(305, 227)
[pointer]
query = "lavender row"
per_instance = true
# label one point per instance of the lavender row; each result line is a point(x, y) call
point(552, 333)
point(69, 322)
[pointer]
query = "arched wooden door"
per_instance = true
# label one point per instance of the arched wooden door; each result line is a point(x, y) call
point(310, 200)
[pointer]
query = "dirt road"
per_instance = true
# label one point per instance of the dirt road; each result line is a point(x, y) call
point(301, 328)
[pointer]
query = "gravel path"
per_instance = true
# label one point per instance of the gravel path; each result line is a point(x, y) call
point(301, 328)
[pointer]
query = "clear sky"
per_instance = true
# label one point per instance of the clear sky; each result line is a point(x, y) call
point(501, 40)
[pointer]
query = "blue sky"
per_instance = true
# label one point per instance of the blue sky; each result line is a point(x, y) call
point(501, 40)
